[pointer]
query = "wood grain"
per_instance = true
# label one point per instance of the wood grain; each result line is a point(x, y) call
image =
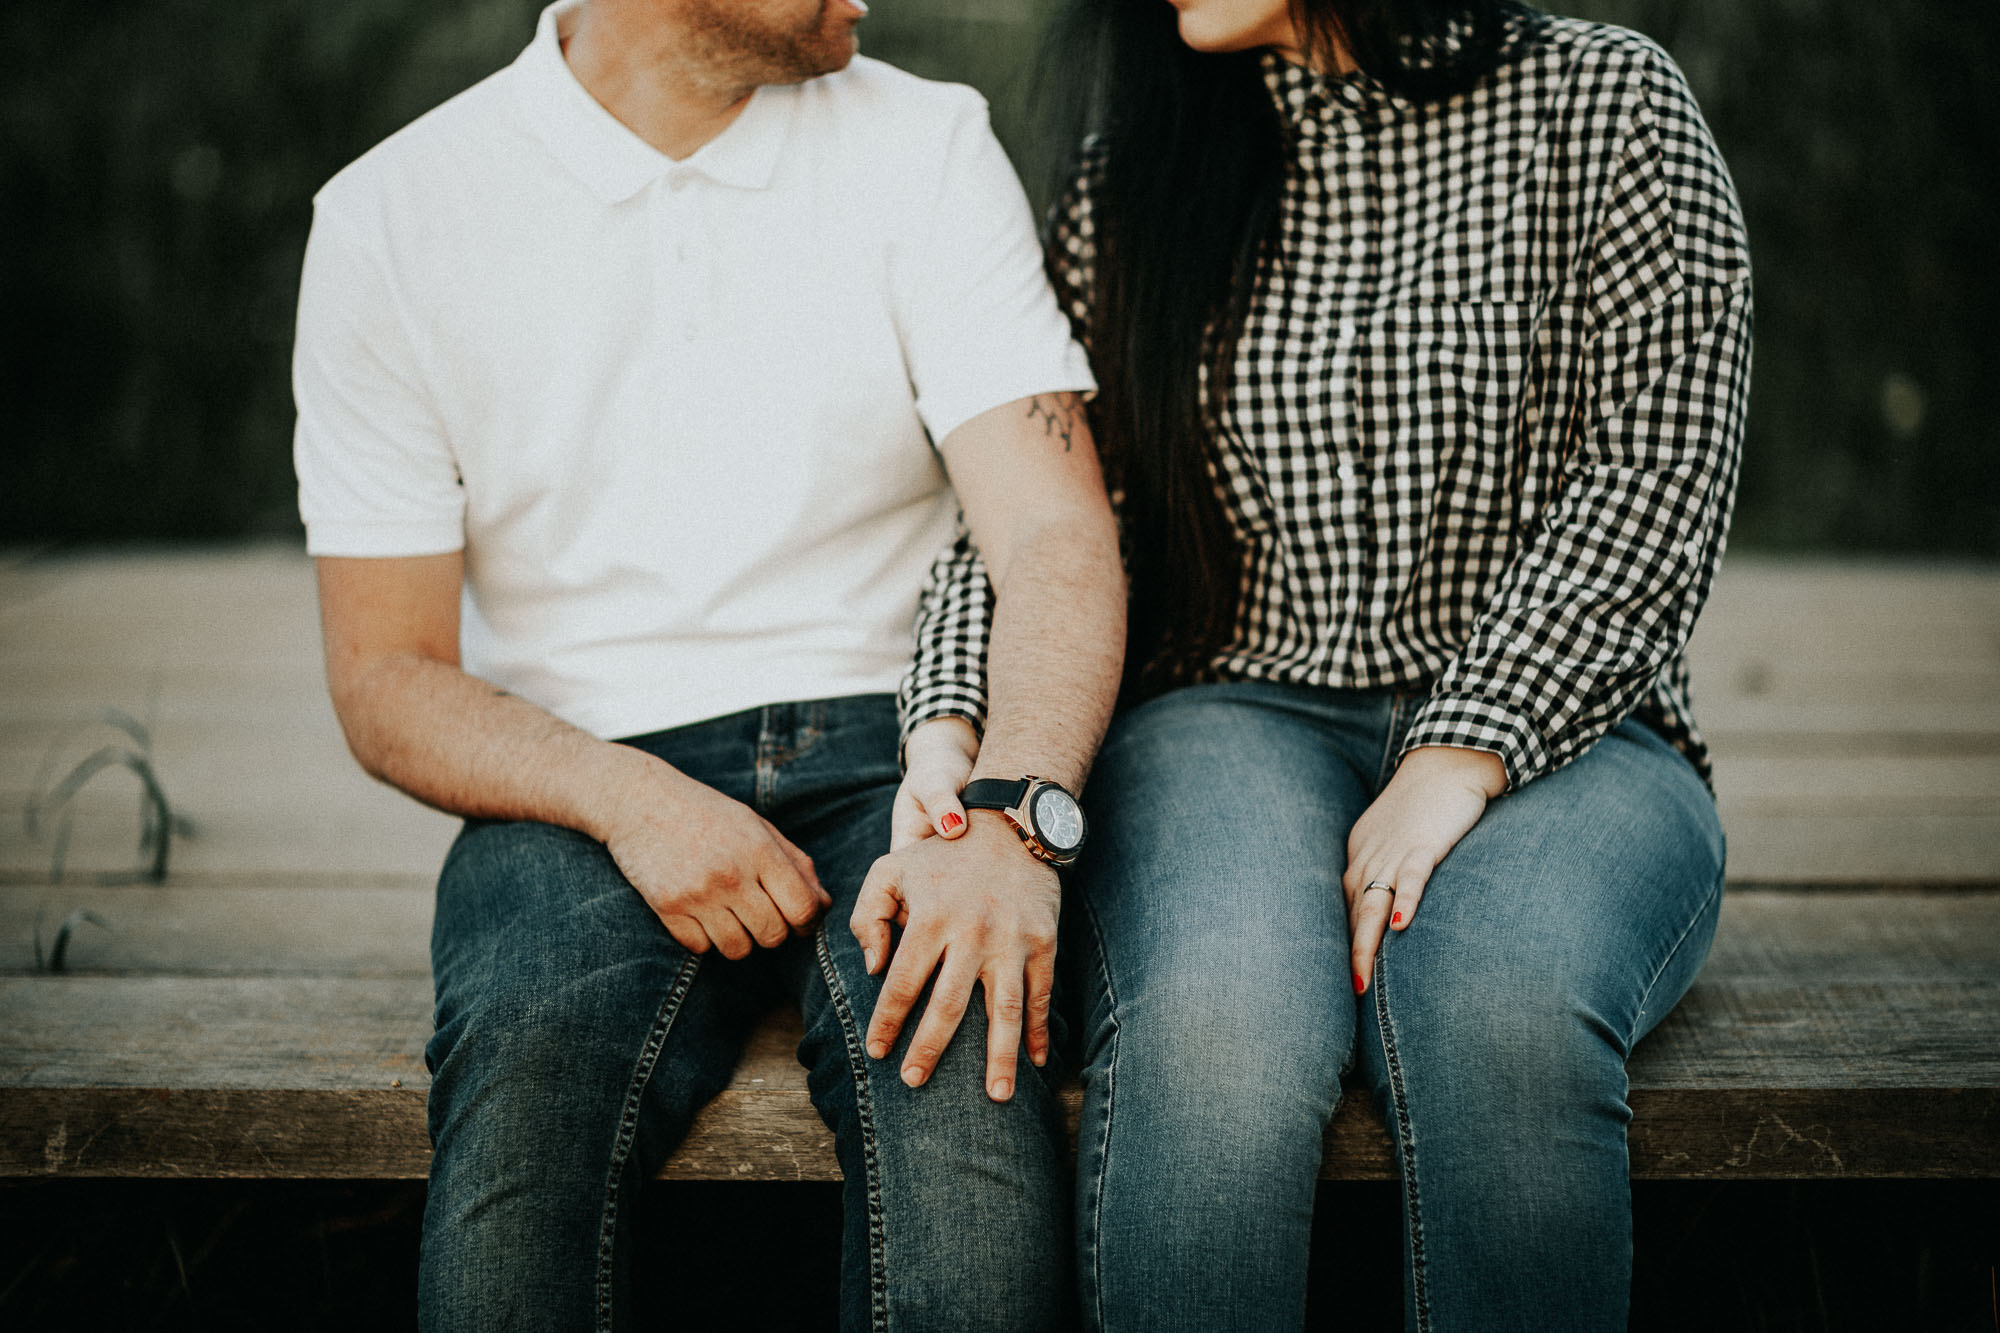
point(1831, 1035)
point(1762, 1134)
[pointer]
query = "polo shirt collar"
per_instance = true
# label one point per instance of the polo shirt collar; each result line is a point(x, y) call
point(607, 156)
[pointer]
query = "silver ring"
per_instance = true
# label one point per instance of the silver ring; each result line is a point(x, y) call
point(1375, 884)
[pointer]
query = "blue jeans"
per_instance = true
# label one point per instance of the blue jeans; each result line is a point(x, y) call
point(575, 1040)
point(1206, 943)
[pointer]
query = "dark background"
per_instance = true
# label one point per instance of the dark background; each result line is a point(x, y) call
point(158, 157)
point(1753, 1257)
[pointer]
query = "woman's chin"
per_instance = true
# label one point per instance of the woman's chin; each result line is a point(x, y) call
point(1210, 38)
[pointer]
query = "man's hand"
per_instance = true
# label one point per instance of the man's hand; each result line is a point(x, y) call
point(1437, 794)
point(975, 909)
point(937, 763)
point(713, 870)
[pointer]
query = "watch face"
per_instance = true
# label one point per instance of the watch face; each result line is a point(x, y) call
point(1058, 819)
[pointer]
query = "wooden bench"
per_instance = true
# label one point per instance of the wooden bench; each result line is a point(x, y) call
point(263, 1013)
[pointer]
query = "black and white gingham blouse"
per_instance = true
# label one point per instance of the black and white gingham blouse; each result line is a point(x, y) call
point(1483, 435)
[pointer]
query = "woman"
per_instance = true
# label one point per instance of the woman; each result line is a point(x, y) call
point(1422, 329)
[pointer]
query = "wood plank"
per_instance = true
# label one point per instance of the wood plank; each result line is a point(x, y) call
point(1859, 784)
point(1747, 1035)
point(1765, 1134)
point(1834, 665)
point(1878, 654)
point(371, 927)
point(1815, 1134)
point(265, 832)
point(1875, 988)
point(1756, 589)
point(356, 930)
point(213, 1032)
point(318, 1033)
point(1854, 937)
point(154, 1133)
point(1832, 1035)
point(1850, 849)
point(1874, 817)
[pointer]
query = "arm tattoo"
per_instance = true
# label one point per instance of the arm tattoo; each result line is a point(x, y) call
point(1058, 414)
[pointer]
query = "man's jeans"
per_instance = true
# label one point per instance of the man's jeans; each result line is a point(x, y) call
point(1206, 940)
point(575, 1040)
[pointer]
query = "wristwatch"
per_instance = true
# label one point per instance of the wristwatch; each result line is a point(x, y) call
point(1046, 816)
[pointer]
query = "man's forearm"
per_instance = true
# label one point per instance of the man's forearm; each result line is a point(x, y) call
point(1057, 652)
point(469, 748)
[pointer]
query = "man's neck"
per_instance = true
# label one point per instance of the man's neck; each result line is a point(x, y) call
point(641, 69)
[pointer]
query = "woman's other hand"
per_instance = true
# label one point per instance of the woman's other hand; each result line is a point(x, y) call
point(1437, 794)
point(937, 761)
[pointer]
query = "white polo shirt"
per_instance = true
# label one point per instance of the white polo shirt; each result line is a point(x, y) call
point(677, 415)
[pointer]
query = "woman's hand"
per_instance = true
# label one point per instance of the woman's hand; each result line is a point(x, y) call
point(937, 760)
point(1435, 797)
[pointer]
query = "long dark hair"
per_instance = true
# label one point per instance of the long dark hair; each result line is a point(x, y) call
point(1186, 159)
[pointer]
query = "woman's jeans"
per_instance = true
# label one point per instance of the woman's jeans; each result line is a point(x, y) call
point(1206, 940)
point(575, 1040)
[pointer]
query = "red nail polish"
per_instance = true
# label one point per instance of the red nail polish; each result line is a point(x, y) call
point(1359, 984)
point(1396, 920)
point(952, 821)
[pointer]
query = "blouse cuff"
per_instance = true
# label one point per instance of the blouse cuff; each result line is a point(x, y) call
point(943, 699)
point(1474, 723)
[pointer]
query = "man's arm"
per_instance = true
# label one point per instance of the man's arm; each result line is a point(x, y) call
point(980, 908)
point(713, 870)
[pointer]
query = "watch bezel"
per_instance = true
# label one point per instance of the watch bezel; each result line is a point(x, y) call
point(1036, 792)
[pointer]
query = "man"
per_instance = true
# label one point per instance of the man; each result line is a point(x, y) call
point(615, 375)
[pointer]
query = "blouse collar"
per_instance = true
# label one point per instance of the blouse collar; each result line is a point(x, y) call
point(1306, 98)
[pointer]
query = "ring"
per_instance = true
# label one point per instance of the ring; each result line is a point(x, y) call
point(1375, 884)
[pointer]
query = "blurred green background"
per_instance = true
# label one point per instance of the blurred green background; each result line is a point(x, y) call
point(157, 159)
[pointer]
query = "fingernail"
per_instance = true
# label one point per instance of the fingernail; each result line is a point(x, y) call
point(868, 960)
point(1396, 920)
point(876, 1050)
point(951, 822)
point(1002, 1089)
point(1359, 984)
point(912, 1075)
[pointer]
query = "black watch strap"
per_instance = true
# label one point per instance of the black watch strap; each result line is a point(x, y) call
point(993, 794)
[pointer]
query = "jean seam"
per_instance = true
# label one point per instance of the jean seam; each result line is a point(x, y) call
point(769, 756)
point(1406, 1146)
point(1645, 998)
point(1110, 1107)
point(857, 1063)
point(1393, 740)
point(628, 1129)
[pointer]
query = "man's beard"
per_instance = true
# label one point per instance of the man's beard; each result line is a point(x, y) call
point(760, 53)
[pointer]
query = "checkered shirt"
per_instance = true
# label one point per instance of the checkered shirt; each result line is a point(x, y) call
point(1487, 406)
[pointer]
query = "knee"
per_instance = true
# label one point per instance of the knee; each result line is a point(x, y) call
point(1243, 1073)
point(1519, 1056)
point(544, 960)
point(534, 1048)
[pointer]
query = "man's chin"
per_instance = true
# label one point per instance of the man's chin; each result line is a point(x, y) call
point(825, 57)
point(841, 55)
